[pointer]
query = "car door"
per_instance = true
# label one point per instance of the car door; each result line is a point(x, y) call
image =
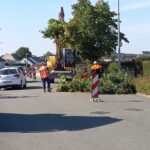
point(22, 76)
point(12, 75)
point(7, 76)
point(4, 76)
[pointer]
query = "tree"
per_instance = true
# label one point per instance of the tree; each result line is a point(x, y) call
point(55, 31)
point(22, 52)
point(93, 30)
point(97, 29)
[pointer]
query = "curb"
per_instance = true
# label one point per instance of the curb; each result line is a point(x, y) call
point(144, 95)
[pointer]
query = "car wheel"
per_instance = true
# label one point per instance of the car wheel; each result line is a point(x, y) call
point(20, 86)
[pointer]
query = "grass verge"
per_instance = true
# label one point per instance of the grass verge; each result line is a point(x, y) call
point(143, 85)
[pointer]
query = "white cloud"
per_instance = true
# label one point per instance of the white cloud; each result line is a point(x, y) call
point(136, 5)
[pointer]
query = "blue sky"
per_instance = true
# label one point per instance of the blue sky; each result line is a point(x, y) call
point(21, 21)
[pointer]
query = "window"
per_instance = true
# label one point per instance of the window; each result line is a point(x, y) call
point(12, 71)
point(4, 72)
point(8, 71)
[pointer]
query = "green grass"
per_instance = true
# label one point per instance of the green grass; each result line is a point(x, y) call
point(146, 67)
point(143, 85)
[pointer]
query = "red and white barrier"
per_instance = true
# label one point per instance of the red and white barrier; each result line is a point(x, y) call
point(95, 88)
point(27, 71)
point(30, 73)
point(34, 74)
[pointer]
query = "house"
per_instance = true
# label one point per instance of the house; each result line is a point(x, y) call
point(11, 59)
point(32, 60)
point(2, 63)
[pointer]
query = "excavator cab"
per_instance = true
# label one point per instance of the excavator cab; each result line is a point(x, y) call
point(68, 64)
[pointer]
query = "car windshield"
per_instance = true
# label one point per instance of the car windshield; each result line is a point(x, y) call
point(8, 71)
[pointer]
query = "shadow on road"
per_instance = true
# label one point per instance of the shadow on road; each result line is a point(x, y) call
point(33, 81)
point(33, 87)
point(50, 122)
point(14, 97)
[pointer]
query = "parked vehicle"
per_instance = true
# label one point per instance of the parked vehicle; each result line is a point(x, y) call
point(12, 77)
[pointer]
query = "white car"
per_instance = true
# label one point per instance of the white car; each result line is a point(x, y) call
point(12, 77)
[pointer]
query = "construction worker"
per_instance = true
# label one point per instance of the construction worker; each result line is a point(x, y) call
point(96, 68)
point(44, 73)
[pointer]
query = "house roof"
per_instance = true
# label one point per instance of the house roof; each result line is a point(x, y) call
point(10, 57)
point(15, 57)
point(1, 59)
point(35, 60)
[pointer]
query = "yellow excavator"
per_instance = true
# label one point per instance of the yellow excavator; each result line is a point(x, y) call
point(66, 67)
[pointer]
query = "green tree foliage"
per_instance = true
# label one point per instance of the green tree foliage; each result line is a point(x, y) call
point(92, 31)
point(22, 52)
point(55, 30)
point(97, 29)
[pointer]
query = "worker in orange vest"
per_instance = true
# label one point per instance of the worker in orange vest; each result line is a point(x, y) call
point(96, 68)
point(44, 73)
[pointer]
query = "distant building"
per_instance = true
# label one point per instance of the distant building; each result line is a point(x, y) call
point(32, 60)
point(123, 57)
point(146, 52)
point(106, 59)
point(128, 57)
point(10, 59)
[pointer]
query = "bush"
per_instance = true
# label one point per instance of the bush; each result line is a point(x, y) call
point(74, 85)
point(116, 83)
point(110, 83)
point(135, 68)
point(112, 67)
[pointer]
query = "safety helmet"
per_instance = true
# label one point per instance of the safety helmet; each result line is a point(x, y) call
point(95, 62)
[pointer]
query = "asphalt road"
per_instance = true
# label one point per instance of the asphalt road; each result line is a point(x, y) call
point(33, 120)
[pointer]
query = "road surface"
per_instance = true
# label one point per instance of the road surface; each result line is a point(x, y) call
point(33, 120)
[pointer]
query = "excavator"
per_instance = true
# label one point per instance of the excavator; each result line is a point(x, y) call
point(67, 66)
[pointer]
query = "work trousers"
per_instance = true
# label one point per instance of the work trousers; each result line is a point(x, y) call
point(44, 81)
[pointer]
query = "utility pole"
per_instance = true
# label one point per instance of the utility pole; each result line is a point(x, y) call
point(119, 35)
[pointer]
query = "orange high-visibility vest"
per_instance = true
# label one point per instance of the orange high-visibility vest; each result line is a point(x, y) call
point(44, 72)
